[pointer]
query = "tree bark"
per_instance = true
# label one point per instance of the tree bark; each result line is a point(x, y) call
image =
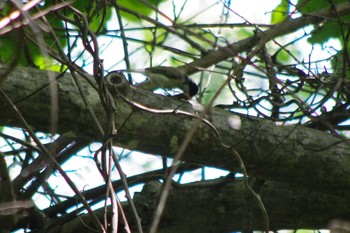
point(307, 171)
point(201, 207)
point(291, 153)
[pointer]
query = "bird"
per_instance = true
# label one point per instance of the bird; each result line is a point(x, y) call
point(166, 77)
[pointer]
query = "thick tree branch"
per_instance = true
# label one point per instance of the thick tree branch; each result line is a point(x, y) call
point(230, 207)
point(292, 154)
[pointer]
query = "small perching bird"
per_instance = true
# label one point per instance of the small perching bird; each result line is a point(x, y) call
point(166, 77)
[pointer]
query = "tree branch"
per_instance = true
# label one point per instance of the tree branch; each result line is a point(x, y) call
point(292, 154)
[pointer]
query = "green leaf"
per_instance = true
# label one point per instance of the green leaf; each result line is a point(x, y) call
point(47, 63)
point(94, 13)
point(328, 29)
point(14, 46)
point(96, 22)
point(280, 12)
point(7, 48)
point(284, 56)
point(149, 36)
point(305, 231)
point(323, 33)
point(340, 69)
point(138, 7)
point(312, 6)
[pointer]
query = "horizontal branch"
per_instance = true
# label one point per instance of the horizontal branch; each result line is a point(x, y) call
point(229, 208)
point(292, 154)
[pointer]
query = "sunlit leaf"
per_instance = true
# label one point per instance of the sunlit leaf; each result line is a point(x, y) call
point(42, 61)
point(138, 7)
point(280, 12)
point(305, 231)
point(328, 29)
point(155, 38)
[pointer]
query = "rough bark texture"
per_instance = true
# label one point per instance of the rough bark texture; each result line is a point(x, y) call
point(303, 159)
point(230, 207)
point(293, 154)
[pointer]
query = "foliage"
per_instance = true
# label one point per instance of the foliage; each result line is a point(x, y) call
point(281, 12)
